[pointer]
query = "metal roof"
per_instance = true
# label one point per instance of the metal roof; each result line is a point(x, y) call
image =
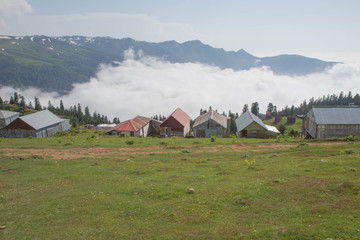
point(272, 128)
point(337, 115)
point(41, 119)
point(246, 119)
point(180, 116)
point(217, 117)
point(134, 124)
point(7, 114)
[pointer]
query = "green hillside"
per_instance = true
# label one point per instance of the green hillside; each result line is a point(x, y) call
point(47, 63)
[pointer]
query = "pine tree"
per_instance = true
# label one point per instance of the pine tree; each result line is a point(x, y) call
point(22, 104)
point(37, 104)
point(245, 108)
point(61, 107)
point(255, 108)
point(1, 103)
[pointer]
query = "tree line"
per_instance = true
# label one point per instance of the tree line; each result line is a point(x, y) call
point(75, 113)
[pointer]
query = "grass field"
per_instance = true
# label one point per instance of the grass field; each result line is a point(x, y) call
point(88, 186)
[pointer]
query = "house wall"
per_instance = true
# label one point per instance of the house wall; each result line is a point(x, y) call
point(208, 129)
point(6, 121)
point(337, 130)
point(44, 132)
point(309, 125)
point(254, 130)
point(177, 130)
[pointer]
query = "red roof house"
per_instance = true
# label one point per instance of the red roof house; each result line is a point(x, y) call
point(136, 127)
point(176, 124)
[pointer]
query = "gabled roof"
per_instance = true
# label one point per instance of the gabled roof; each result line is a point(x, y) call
point(272, 128)
point(7, 114)
point(337, 115)
point(41, 119)
point(217, 117)
point(180, 116)
point(246, 119)
point(133, 125)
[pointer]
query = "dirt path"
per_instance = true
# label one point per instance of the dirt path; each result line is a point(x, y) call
point(75, 153)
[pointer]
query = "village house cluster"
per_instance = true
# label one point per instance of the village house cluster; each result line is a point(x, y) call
point(317, 123)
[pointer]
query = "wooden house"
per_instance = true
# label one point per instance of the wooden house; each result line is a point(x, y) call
point(39, 124)
point(332, 122)
point(6, 117)
point(210, 124)
point(177, 124)
point(137, 127)
point(250, 126)
point(291, 120)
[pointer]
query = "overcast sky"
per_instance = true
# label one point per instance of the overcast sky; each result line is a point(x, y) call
point(327, 29)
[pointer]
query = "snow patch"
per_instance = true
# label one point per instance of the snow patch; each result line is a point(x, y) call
point(3, 49)
point(32, 39)
point(49, 39)
point(5, 37)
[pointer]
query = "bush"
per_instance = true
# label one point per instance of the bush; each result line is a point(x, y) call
point(294, 133)
point(282, 128)
point(213, 138)
point(121, 135)
point(129, 142)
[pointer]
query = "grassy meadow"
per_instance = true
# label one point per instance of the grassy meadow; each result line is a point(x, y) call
point(84, 185)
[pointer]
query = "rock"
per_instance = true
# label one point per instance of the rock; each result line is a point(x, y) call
point(191, 190)
point(2, 227)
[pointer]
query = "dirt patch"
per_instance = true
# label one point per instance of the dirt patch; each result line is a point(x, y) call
point(10, 171)
point(75, 153)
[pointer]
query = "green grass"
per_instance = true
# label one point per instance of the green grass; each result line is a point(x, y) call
point(244, 189)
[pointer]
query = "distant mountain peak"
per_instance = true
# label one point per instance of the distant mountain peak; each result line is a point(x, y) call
point(55, 63)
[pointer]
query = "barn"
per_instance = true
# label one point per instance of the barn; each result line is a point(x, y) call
point(39, 124)
point(177, 124)
point(136, 127)
point(250, 126)
point(7, 117)
point(332, 122)
point(210, 124)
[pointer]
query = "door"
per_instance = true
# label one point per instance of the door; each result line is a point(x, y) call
point(167, 132)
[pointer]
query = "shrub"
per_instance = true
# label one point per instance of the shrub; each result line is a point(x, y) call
point(213, 138)
point(282, 128)
point(121, 135)
point(294, 133)
point(129, 142)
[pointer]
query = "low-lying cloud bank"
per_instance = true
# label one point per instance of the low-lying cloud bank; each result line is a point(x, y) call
point(151, 86)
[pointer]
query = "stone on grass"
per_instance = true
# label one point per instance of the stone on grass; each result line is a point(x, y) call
point(191, 190)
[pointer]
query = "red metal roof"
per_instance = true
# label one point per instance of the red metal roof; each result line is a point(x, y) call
point(134, 124)
point(180, 116)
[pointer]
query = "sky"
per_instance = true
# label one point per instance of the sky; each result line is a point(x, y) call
point(328, 30)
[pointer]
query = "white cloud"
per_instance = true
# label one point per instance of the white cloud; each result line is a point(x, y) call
point(10, 8)
point(151, 86)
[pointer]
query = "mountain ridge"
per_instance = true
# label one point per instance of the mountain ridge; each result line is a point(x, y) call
point(55, 63)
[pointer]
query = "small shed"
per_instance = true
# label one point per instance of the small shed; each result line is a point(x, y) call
point(177, 124)
point(332, 122)
point(210, 124)
point(291, 120)
point(39, 124)
point(6, 117)
point(250, 126)
point(278, 118)
point(136, 127)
